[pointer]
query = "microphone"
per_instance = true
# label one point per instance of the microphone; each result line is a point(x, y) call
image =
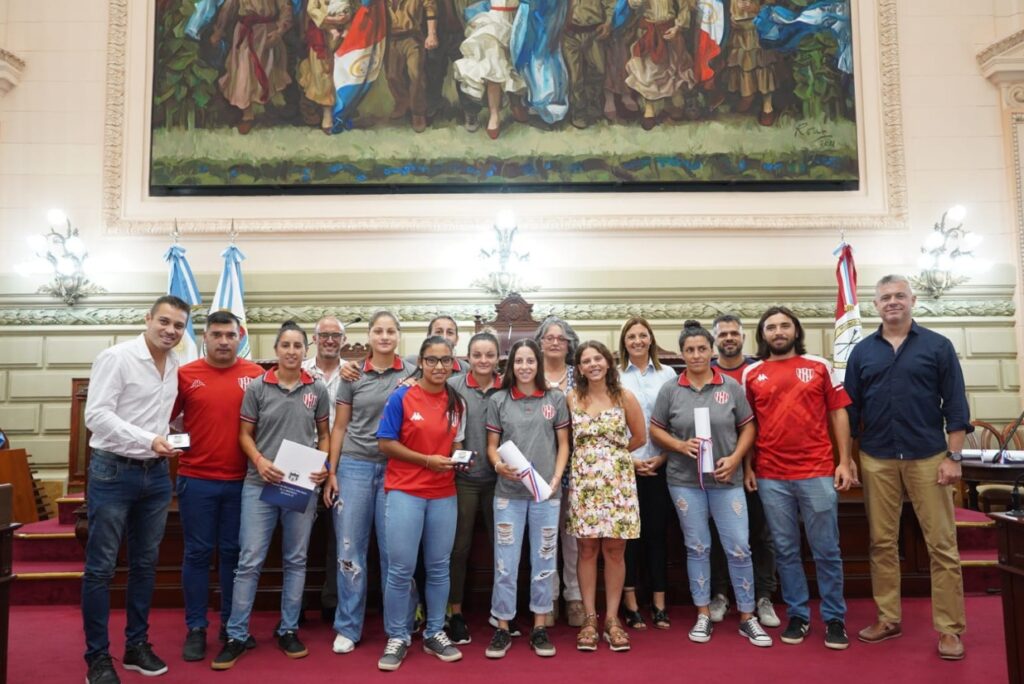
point(359, 319)
point(1015, 509)
point(1006, 442)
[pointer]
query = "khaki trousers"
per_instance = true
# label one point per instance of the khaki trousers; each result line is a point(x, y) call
point(885, 481)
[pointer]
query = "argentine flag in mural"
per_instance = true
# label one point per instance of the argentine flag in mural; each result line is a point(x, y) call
point(358, 60)
point(230, 295)
point(783, 29)
point(182, 284)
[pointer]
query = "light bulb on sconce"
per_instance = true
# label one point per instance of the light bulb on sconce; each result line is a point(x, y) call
point(947, 259)
point(62, 253)
point(507, 279)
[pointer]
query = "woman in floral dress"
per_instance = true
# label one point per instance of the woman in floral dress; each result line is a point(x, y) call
point(608, 423)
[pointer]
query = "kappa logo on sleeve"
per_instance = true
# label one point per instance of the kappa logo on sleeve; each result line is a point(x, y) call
point(805, 374)
point(416, 415)
point(722, 397)
point(309, 399)
point(548, 411)
point(196, 384)
point(245, 382)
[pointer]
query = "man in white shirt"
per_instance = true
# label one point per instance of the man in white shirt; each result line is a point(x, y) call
point(329, 338)
point(132, 390)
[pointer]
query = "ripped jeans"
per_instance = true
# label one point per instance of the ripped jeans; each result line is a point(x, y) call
point(728, 507)
point(511, 519)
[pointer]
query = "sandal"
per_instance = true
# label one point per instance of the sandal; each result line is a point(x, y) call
point(660, 618)
point(617, 638)
point(634, 620)
point(587, 638)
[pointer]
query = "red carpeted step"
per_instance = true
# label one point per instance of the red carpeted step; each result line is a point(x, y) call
point(48, 540)
point(46, 583)
point(66, 506)
point(975, 530)
point(980, 571)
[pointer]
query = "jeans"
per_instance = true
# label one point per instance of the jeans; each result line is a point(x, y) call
point(815, 501)
point(211, 512)
point(728, 507)
point(259, 520)
point(655, 507)
point(511, 518)
point(360, 508)
point(124, 500)
point(411, 521)
point(473, 496)
point(761, 552)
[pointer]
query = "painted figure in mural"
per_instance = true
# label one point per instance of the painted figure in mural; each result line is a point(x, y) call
point(257, 64)
point(406, 57)
point(486, 67)
point(620, 103)
point(451, 30)
point(324, 28)
point(749, 66)
point(537, 55)
point(589, 26)
point(660, 66)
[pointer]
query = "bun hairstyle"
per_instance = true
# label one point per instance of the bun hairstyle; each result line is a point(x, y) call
point(287, 326)
point(455, 407)
point(692, 328)
point(485, 336)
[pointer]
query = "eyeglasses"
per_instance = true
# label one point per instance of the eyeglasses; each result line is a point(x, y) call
point(333, 337)
point(434, 360)
point(555, 339)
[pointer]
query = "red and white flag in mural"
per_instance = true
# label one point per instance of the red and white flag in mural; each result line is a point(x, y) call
point(848, 329)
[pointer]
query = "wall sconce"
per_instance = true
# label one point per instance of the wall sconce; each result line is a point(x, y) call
point(504, 281)
point(947, 257)
point(62, 254)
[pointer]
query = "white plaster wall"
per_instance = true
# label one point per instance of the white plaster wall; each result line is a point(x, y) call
point(51, 136)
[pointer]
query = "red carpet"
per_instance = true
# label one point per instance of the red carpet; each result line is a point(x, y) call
point(46, 645)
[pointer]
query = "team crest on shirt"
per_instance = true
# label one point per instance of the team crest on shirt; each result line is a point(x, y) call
point(548, 411)
point(309, 399)
point(722, 397)
point(805, 374)
point(244, 383)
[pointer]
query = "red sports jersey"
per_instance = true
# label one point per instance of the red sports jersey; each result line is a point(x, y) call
point(791, 400)
point(211, 399)
point(420, 422)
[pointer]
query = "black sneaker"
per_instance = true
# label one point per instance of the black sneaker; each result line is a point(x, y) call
point(458, 631)
point(195, 645)
point(140, 658)
point(835, 635)
point(500, 643)
point(394, 654)
point(440, 646)
point(101, 671)
point(513, 628)
point(250, 642)
point(755, 634)
point(290, 644)
point(540, 643)
point(795, 631)
point(232, 651)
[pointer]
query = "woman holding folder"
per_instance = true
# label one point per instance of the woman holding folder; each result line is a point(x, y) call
point(528, 418)
point(285, 403)
point(706, 425)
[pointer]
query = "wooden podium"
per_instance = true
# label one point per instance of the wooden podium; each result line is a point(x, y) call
point(1011, 563)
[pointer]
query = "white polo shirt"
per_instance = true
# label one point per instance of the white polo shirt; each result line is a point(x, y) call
point(129, 403)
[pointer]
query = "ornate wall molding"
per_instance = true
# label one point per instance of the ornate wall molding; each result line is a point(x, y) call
point(654, 311)
point(11, 67)
point(880, 205)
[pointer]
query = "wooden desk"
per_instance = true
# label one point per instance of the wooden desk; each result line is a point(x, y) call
point(976, 472)
point(1011, 563)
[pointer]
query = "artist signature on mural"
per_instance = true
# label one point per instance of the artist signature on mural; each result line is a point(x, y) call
point(819, 135)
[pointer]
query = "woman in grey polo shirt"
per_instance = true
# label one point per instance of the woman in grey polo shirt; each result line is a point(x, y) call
point(698, 494)
point(357, 484)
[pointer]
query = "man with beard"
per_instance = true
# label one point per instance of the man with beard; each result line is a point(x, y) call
point(910, 410)
point(329, 338)
point(795, 401)
point(729, 339)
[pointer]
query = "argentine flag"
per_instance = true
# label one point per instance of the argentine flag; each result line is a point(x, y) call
point(230, 295)
point(847, 327)
point(359, 59)
point(182, 284)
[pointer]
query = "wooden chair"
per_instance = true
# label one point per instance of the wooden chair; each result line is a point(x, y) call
point(993, 494)
point(513, 320)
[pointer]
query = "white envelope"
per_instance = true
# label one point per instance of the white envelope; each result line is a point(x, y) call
point(298, 462)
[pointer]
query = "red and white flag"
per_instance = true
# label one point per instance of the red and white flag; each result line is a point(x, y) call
point(848, 329)
point(709, 41)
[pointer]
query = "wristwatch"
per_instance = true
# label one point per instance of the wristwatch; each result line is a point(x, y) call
point(954, 456)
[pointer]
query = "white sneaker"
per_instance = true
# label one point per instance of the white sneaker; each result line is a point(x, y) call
point(766, 613)
point(719, 606)
point(342, 644)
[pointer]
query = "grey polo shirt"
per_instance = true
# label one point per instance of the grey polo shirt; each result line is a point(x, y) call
point(281, 414)
point(367, 397)
point(530, 422)
point(729, 410)
point(475, 423)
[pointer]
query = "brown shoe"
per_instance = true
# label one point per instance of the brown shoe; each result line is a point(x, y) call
point(419, 123)
point(951, 647)
point(574, 613)
point(880, 631)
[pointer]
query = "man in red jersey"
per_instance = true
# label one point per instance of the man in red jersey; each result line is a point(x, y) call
point(794, 401)
point(211, 472)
